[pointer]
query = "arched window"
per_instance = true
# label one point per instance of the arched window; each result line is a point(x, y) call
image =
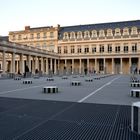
point(94, 33)
point(109, 32)
point(126, 31)
point(79, 34)
point(86, 34)
point(65, 35)
point(117, 32)
point(134, 31)
point(101, 33)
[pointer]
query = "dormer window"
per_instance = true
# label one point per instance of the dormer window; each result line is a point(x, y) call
point(125, 31)
point(101, 33)
point(94, 33)
point(109, 32)
point(117, 32)
point(79, 35)
point(72, 35)
point(134, 31)
point(86, 34)
point(65, 36)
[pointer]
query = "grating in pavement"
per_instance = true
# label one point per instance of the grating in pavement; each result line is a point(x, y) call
point(53, 120)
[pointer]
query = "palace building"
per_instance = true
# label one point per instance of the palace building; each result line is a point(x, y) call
point(101, 48)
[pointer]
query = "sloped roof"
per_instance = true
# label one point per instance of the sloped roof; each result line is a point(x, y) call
point(111, 25)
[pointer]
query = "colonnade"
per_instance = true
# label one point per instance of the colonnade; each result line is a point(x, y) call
point(17, 62)
point(122, 65)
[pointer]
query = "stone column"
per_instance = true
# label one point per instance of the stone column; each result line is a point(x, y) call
point(65, 70)
point(130, 64)
point(72, 66)
point(112, 65)
point(21, 64)
point(33, 65)
point(80, 66)
point(42, 64)
point(96, 65)
point(36, 63)
point(87, 66)
point(55, 69)
point(13, 63)
point(29, 62)
point(138, 65)
point(58, 66)
point(51, 65)
point(104, 66)
point(121, 66)
point(17, 67)
point(4, 62)
point(47, 66)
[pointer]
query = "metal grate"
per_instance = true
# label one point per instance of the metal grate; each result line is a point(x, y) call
point(53, 120)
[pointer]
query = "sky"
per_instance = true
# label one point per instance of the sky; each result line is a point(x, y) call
point(16, 14)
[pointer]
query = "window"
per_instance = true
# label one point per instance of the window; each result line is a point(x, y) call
point(79, 49)
point(19, 37)
point(93, 49)
point(72, 35)
point(65, 36)
point(117, 32)
point(59, 49)
point(109, 48)
point(44, 45)
point(101, 33)
point(134, 48)
point(65, 49)
point(72, 49)
point(109, 32)
point(38, 35)
point(117, 49)
point(51, 34)
point(86, 34)
point(32, 36)
point(101, 49)
point(94, 33)
point(79, 35)
point(86, 49)
point(51, 43)
point(125, 49)
point(45, 35)
point(134, 31)
point(125, 31)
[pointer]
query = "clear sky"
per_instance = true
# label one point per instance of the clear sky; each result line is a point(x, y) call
point(15, 14)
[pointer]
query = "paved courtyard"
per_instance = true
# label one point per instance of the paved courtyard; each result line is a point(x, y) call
point(95, 110)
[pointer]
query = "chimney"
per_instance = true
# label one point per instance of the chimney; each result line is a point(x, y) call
point(27, 28)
